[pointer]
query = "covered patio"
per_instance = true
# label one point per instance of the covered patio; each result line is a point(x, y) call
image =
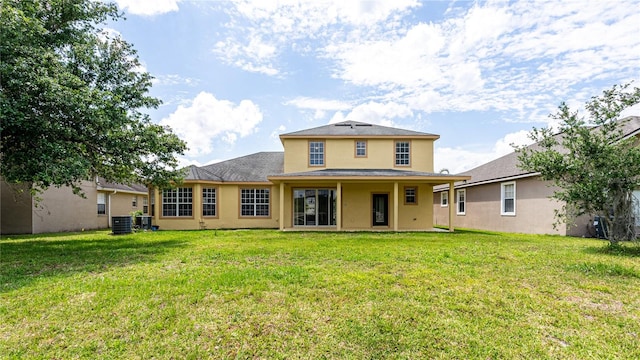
point(360, 199)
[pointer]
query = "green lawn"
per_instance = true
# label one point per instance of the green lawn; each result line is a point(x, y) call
point(267, 294)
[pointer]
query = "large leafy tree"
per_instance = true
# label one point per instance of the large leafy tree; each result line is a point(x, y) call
point(593, 166)
point(72, 98)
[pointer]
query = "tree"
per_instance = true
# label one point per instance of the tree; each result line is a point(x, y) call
point(71, 100)
point(594, 168)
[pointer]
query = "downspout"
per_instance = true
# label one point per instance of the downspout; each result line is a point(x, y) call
point(109, 207)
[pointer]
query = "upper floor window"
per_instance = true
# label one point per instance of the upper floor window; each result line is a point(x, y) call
point(177, 202)
point(209, 202)
point(410, 196)
point(462, 202)
point(134, 201)
point(102, 204)
point(403, 153)
point(508, 198)
point(316, 153)
point(254, 202)
point(361, 148)
point(444, 199)
point(145, 205)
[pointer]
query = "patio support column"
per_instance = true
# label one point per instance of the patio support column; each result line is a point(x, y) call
point(281, 220)
point(395, 206)
point(451, 205)
point(338, 206)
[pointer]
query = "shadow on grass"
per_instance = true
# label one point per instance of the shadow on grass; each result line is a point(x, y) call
point(624, 249)
point(26, 261)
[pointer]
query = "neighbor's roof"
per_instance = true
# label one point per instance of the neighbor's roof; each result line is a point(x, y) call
point(506, 167)
point(133, 188)
point(356, 129)
point(250, 168)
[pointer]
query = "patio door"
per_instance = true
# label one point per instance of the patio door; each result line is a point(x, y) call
point(380, 209)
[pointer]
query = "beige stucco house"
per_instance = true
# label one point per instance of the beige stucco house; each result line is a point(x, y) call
point(348, 176)
point(501, 197)
point(58, 209)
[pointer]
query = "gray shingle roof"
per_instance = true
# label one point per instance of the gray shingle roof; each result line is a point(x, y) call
point(355, 128)
point(104, 185)
point(251, 168)
point(506, 166)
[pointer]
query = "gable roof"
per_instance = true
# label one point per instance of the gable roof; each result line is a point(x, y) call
point(506, 167)
point(130, 188)
point(356, 129)
point(249, 168)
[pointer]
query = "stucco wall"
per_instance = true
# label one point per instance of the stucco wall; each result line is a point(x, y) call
point(61, 210)
point(15, 210)
point(340, 154)
point(534, 210)
point(228, 211)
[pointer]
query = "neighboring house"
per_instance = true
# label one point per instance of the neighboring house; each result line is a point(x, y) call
point(59, 209)
point(501, 197)
point(346, 176)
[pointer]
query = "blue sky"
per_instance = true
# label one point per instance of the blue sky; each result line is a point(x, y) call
point(235, 74)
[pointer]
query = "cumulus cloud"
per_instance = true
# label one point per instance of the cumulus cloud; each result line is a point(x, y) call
point(207, 120)
point(267, 28)
point(148, 7)
point(458, 159)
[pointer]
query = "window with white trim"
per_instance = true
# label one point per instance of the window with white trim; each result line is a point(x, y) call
point(444, 199)
point(361, 148)
point(462, 202)
point(254, 202)
point(209, 202)
point(316, 153)
point(102, 204)
point(403, 153)
point(145, 205)
point(134, 201)
point(177, 202)
point(508, 198)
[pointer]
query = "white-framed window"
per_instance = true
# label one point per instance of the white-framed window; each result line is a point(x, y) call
point(152, 201)
point(508, 198)
point(209, 202)
point(102, 204)
point(316, 153)
point(462, 202)
point(403, 153)
point(145, 205)
point(444, 198)
point(361, 148)
point(410, 195)
point(177, 202)
point(254, 202)
point(134, 201)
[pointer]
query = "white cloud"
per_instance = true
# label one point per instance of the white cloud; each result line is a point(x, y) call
point(262, 30)
point(148, 7)
point(379, 113)
point(458, 159)
point(318, 104)
point(208, 119)
point(174, 79)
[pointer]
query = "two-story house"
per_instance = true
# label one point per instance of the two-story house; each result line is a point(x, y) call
point(347, 176)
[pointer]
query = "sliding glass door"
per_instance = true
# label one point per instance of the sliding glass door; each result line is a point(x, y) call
point(314, 207)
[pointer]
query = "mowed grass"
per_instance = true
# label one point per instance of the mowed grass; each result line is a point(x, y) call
point(268, 294)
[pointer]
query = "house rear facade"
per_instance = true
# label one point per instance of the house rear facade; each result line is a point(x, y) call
point(349, 176)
